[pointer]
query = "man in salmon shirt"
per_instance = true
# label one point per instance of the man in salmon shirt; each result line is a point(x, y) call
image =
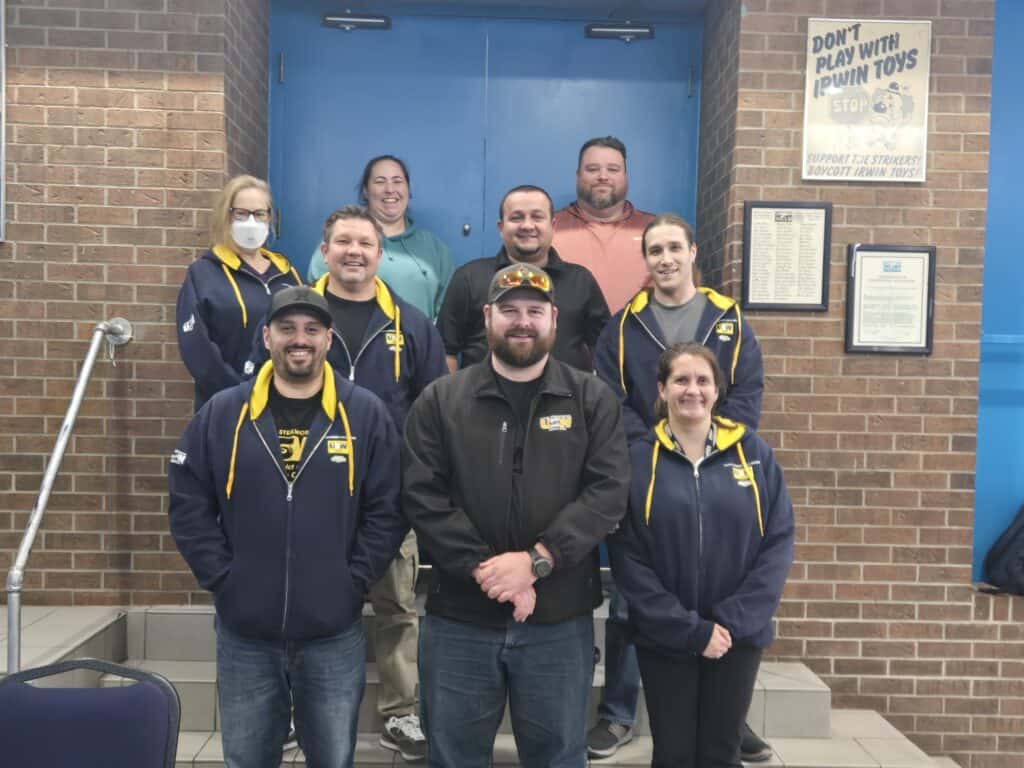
point(602, 229)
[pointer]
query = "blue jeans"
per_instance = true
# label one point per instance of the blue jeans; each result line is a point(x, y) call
point(258, 682)
point(621, 671)
point(467, 671)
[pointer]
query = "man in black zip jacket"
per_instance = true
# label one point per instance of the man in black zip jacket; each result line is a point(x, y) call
point(514, 469)
point(284, 503)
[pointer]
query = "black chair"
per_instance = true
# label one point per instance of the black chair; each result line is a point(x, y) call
point(47, 727)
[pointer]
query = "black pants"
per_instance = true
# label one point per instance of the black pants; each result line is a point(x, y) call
point(697, 706)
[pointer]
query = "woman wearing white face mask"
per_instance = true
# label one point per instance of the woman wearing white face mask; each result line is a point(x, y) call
point(227, 290)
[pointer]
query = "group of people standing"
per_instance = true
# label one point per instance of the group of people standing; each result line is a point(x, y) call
point(396, 393)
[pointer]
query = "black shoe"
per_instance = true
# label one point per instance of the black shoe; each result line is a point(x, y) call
point(753, 749)
point(606, 737)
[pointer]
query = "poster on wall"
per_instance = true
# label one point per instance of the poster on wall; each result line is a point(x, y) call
point(866, 100)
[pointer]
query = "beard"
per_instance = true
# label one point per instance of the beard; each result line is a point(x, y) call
point(519, 355)
point(297, 372)
point(599, 200)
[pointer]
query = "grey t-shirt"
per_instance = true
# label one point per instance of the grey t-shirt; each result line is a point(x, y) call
point(679, 323)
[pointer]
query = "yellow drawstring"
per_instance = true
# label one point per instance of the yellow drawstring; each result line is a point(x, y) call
point(622, 349)
point(753, 484)
point(650, 485)
point(398, 337)
point(234, 450)
point(739, 343)
point(351, 450)
point(238, 294)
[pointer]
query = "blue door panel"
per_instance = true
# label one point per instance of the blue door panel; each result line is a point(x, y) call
point(415, 91)
point(550, 89)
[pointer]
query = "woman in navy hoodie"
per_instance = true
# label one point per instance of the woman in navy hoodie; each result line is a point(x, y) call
point(701, 558)
point(227, 290)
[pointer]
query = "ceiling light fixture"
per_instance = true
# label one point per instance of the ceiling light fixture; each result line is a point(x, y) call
point(349, 21)
point(627, 31)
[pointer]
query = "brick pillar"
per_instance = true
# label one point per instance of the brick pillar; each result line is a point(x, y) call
point(879, 450)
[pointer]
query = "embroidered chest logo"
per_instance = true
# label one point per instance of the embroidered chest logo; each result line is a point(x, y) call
point(337, 449)
point(556, 422)
point(740, 476)
point(394, 339)
point(725, 330)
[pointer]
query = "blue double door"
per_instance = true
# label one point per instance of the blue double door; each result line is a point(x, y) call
point(474, 106)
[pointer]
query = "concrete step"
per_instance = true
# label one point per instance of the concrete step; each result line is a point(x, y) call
point(789, 700)
point(859, 739)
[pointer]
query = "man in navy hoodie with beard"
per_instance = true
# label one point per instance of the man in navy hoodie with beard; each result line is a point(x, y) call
point(284, 503)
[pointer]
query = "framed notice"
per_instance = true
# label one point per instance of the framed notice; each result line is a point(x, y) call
point(890, 299)
point(866, 100)
point(785, 255)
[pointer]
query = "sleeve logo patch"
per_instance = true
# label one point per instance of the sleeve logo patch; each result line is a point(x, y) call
point(725, 330)
point(189, 325)
point(556, 422)
point(249, 367)
point(178, 457)
point(395, 340)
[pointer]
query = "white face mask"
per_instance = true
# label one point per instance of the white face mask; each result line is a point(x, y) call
point(249, 234)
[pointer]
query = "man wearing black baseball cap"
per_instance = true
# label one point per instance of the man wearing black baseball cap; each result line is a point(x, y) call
point(284, 503)
point(514, 469)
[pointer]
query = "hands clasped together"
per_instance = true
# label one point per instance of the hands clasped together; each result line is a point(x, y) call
point(509, 578)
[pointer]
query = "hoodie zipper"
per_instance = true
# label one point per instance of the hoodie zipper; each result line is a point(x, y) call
point(352, 362)
point(649, 331)
point(290, 485)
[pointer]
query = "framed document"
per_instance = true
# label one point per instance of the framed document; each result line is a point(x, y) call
point(785, 255)
point(890, 299)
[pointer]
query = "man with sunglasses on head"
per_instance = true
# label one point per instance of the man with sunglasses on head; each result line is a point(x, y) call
point(525, 225)
point(514, 469)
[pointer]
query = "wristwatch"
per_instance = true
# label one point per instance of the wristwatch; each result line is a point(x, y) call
point(540, 566)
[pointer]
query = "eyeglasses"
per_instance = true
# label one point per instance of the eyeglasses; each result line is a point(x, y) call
point(242, 214)
point(525, 278)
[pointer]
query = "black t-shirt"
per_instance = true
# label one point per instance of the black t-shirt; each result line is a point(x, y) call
point(293, 418)
point(520, 396)
point(350, 319)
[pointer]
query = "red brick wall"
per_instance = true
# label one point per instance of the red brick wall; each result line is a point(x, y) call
point(879, 450)
point(245, 86)
point(116, 143)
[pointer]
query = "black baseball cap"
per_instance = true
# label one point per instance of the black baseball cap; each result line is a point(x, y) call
point(520, 276)
point(300, 298)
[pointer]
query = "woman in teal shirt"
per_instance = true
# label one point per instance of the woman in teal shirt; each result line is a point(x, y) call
point(415, 264)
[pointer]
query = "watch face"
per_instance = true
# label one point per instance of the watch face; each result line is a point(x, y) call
point(541, 567)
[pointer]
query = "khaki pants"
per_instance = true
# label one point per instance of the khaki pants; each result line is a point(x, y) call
point(396, 632)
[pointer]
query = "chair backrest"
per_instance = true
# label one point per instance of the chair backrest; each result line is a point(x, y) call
point(50, 727)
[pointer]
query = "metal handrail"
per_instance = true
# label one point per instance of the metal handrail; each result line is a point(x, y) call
point(115, 332)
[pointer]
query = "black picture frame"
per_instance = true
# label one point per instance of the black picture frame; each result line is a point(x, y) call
point(890, 299)
point(798, 302)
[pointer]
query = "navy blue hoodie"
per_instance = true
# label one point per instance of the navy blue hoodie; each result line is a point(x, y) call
point(220, 306)
point(401, 352)
point(287, 560)
point(703, 544)
point(629, 348)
